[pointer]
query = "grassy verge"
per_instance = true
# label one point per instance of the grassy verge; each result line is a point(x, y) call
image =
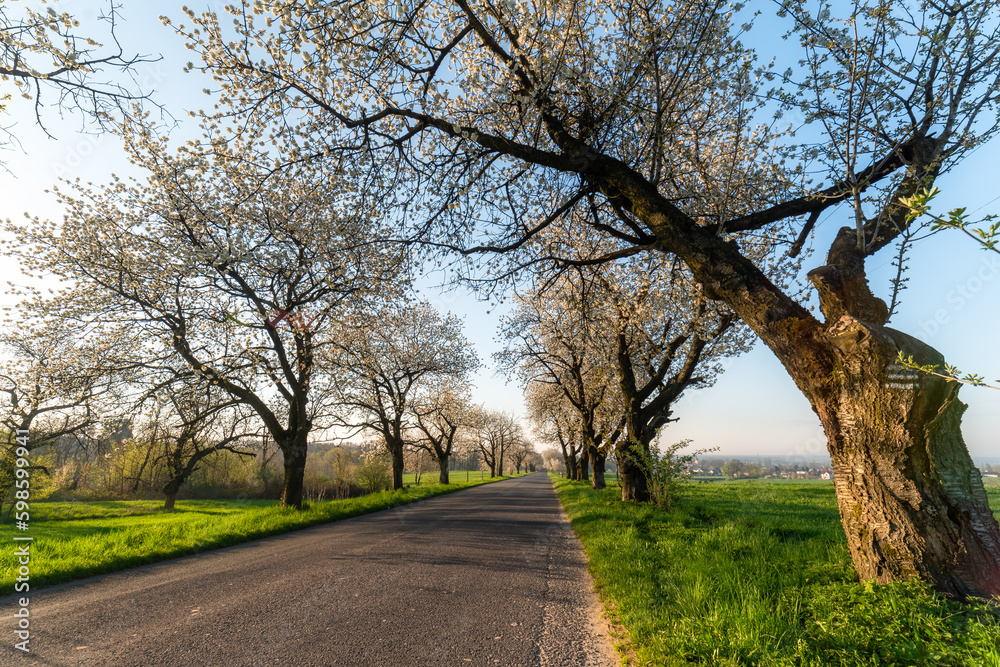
point(759, 574)
point(76, 540)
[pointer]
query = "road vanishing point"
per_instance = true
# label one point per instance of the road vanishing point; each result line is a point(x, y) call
point(491, 575)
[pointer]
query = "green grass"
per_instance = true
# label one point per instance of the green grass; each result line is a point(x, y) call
point(758, 573)
point(79, 539)
point(431, 476)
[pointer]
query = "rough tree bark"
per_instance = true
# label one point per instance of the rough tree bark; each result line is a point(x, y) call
point(598, 459)
point(631, 476)
point(293, 450)
point(395, 448)
point(907, 489)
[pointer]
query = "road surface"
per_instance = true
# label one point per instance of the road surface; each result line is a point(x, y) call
point(491, 575)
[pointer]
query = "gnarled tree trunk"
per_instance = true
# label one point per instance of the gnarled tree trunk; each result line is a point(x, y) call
point(631, 476)
point(443, 463)
point(911, 500)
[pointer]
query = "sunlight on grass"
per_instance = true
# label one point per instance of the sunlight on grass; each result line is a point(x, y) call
point(759, 574)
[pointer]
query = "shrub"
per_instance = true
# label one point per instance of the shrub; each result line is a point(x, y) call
point(664, 469)
point(374, 474)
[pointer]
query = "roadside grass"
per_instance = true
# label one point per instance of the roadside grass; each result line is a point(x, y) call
point(758, 573)
point(73, 540)
point(46, 511)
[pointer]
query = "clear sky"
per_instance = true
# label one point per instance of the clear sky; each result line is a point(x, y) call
point(754, 408)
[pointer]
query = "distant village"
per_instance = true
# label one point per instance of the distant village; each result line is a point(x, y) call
point(761, 468)
point(769, 468)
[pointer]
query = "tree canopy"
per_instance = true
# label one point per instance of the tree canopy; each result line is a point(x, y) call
point(392, 360)
point(244, 285)
point(47, 53)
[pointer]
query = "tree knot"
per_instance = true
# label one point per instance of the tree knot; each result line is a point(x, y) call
point(843, 294)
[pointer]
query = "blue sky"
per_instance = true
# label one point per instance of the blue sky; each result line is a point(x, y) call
point(754, 408)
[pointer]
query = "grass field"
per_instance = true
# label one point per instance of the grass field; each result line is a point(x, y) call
point(79, 539)
point(758, 573)
point(431, 476)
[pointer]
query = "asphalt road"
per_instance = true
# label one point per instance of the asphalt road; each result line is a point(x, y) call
point(491, 575)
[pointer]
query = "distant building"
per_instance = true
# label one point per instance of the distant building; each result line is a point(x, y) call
point(826, 474)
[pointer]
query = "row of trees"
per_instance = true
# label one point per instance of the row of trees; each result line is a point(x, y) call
point(234, 300)
point(196, 378)
point(580, 135)
point(142, 459)
point(229, 301)
point(604, 352)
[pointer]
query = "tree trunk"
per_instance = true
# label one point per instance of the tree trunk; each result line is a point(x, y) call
point(443, 462)
point(397, 467)
point(911, 500)
point(570, 463)
point(598, 458)
point(294, 452)
point(584, 466)
point(170, 490)
point(631, 477)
